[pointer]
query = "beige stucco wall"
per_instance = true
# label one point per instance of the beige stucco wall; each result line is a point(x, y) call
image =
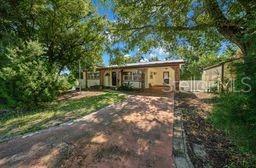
point(108, 79)
point(158, 76)
point(213, 74)
point(230, 71)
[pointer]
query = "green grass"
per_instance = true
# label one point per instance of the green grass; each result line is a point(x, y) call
point(14, 123)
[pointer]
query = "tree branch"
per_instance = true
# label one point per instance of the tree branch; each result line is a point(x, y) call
point(226, 27)
point(215, 12)
point(169, 28)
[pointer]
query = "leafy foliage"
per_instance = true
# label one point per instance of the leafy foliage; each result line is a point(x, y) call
point(41, 38)
point(235, 113)
point(195, 64)
point(147, 24)
point(27, 78)
point(199, 27)
point(68, 30)
point(126, 87)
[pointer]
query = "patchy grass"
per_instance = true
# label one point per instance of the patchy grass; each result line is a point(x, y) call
point(14, 123)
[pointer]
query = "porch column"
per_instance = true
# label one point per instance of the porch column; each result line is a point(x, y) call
point(122, 76)
point(102, 71)
point(177, 77)
point(143, 80)
point(85, 78)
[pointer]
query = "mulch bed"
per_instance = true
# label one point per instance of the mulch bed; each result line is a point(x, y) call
point(196, 107)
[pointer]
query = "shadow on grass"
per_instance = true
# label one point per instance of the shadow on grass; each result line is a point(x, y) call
point(16, 123)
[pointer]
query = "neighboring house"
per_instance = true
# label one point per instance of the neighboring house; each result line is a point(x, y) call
point(139, 75)
point(223, 73)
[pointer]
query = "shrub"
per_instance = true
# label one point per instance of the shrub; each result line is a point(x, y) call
point(96, 87)
point(214, 89)
point(27, 79)
point(5, 98)
point(66, 83)
point(126, 87)
point(235, 113)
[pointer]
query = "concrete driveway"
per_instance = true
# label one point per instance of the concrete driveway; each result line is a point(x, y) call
point(134, 133)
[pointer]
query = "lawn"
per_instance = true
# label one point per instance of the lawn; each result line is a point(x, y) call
point(14, 123)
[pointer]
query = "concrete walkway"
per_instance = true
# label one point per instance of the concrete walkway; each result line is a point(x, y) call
point(134, 133)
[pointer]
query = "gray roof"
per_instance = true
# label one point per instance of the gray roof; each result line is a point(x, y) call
point(180, 61)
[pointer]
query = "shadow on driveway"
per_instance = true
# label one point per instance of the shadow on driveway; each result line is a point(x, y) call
point(134, 133)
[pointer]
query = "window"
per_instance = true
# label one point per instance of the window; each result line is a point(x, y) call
point(127, 76)
point(93, 75)
point(137, 76)
point(132, 76)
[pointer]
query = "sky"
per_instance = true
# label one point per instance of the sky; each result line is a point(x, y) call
point(109, 14)
point(103, 10)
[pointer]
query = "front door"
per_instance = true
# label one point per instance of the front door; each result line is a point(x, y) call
point(113, 78)
point(166, 77)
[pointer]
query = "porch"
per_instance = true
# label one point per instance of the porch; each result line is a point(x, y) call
point(139, 78)
point(138, 75)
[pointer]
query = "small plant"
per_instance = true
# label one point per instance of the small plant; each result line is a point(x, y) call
point(214, 89)
point(96, 87)
point(126, 87)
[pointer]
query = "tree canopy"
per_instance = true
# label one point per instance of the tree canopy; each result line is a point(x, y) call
point(199, 27)
point(68, 30)
point(195, 29)
point(41, 38)
point(162, 22)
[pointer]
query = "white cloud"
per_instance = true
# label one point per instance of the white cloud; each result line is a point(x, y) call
point(159, 52)
point(144, 60)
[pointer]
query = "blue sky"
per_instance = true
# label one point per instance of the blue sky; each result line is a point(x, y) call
point(107, 12)
point(104, 11)
point(159, 52)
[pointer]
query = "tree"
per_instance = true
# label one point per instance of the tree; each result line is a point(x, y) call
point(68, 30)
point(200, 25)
point(202, 22)
point(26, 78)
point(63, 33)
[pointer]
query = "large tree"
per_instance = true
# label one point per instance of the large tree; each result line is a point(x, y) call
point(148, 23)
point(201, 24)
point(68, 30)
point(40, 38)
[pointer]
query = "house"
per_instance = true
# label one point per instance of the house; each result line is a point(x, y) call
point(140, 75)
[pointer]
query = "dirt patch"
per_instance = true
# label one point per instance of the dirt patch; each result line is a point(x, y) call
point(134, 133)
point(207, 146)
point(75, 95)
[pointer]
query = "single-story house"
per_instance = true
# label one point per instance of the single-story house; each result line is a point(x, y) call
point(139, 75)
